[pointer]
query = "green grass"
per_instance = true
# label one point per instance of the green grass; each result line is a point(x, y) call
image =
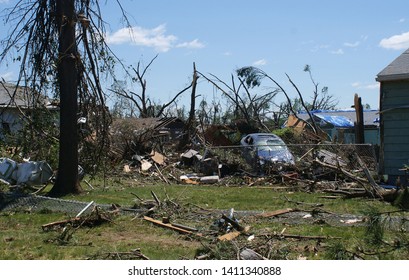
point(22, 236)
point(221, 197)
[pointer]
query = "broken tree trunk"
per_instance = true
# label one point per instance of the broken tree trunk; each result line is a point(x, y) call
point(359, 124)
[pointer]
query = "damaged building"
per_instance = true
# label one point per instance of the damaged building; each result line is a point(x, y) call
point(394, 118)
point(339, 125)
point(15, 104)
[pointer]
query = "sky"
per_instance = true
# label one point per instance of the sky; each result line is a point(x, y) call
point(346, 43)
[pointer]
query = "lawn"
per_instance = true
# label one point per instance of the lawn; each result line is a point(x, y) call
point(317, 228)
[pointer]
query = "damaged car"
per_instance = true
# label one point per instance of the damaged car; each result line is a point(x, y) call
point(266, 152)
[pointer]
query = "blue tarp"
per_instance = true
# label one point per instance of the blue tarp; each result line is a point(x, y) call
point(337, 121)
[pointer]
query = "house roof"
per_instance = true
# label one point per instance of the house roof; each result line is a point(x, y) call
point(7, 92)
point(342, 118)
point(12, 96)
point(396, 70)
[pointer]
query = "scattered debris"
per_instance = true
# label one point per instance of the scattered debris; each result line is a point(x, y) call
point(249, 254)
point(96, 217)
point(229, 236)
point(352, 221)
point(158, 157)
point(209, 179)
point(132, 255)
point(30, 173)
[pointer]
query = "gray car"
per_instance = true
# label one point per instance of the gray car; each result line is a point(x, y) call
point(266, 151)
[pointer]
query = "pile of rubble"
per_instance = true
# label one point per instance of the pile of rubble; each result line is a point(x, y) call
point(28, 173)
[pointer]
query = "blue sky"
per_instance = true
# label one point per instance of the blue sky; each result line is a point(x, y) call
point(346, 43)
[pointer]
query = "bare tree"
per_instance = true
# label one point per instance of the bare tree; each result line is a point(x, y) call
point(141, 100)
point(321, 99)
point(190, 123)
point(253, 77)
point(59, 45)
point(209, 114)
point(246, 105)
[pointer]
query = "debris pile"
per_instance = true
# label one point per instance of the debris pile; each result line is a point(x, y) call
point(28, 173)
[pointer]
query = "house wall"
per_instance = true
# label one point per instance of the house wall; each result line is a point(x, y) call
point(12, 118)
point(394, 128)
point(347, 135)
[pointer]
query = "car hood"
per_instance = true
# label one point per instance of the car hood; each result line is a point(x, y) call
point(268, 154)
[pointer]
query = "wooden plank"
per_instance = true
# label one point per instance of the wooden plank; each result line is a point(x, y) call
point(276, 213)
point(169, 226)
point(229, 236)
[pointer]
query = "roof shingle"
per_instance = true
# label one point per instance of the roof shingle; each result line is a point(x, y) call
point(396, 70)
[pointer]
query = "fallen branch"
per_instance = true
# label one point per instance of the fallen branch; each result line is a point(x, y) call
point(347, 194)
point(156, 198)
point(184, 227)
point(94, 218)
point(330, 196)
point(339, 169)
point(169, 226)
point(61, 223)
point(376, 190)
point(140, 199)
point(128, 255)
point(297, 236)
point(160, 174)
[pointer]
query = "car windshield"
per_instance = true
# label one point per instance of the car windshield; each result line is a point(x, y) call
point(269, 143)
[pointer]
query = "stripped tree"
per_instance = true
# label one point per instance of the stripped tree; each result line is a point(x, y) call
point(244, 103)
point(145, 106)
point(60, 47)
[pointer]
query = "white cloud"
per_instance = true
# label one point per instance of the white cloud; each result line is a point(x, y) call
point(139, 36)
point(359, 85)
point(402, 20)
point(338, 52)
point(4, 1)
point(195, 44)
point(154, 38)
point(227, 53)
point(396, 42)
point(352, 45)
point(372, 86)
point(260, 62)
